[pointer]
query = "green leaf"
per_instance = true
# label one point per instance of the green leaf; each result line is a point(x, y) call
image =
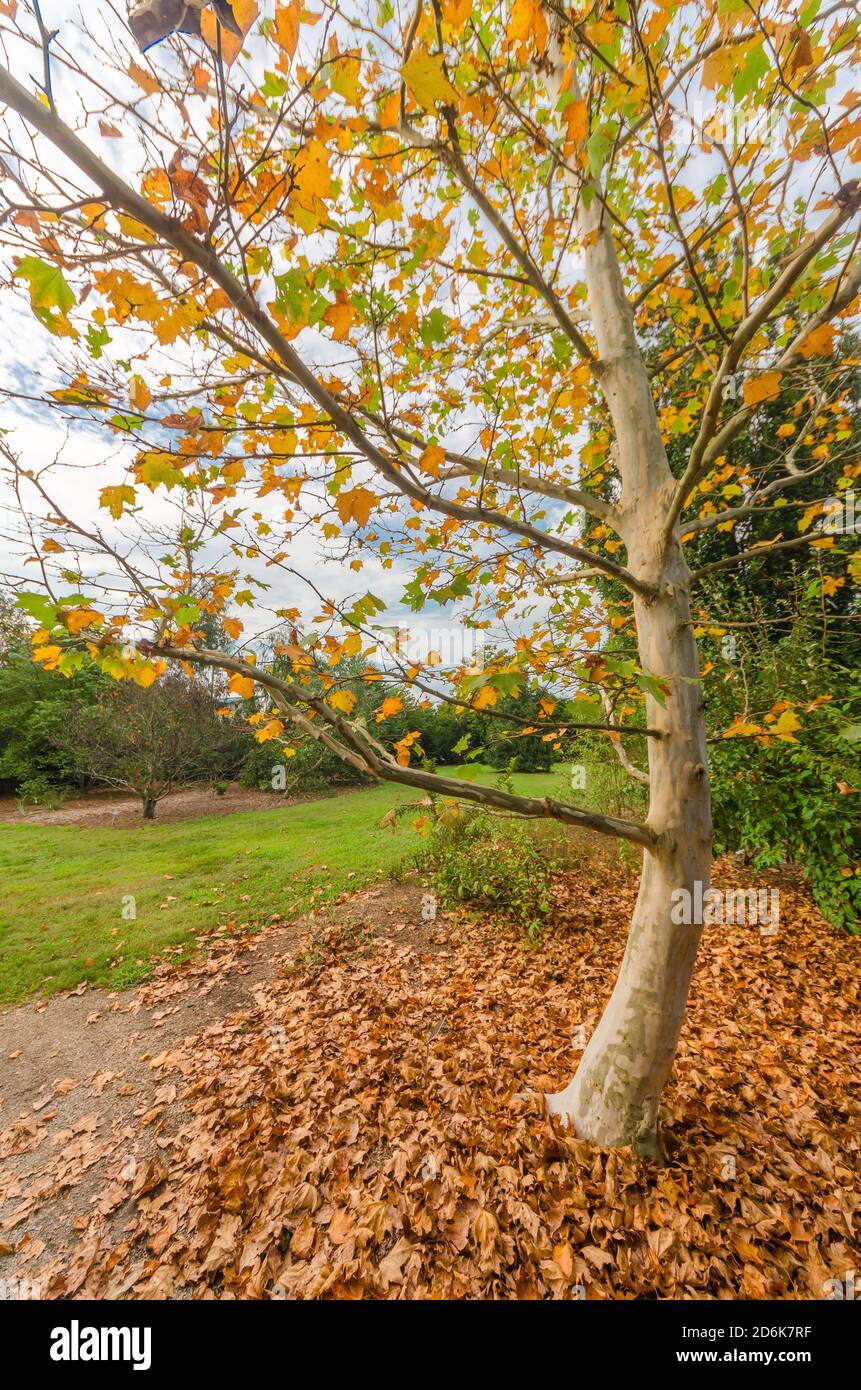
point(38, 607)
point(755, 67)
point(652, 687)
point(294, 296)
point(597, 149)
point(434, 328)
point(48, 289)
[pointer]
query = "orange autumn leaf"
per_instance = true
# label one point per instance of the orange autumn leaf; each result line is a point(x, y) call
point(762, 388)
point(241, 685)
point(432, 460)
point(355, 505)
point(286, 28)
point(391, 705)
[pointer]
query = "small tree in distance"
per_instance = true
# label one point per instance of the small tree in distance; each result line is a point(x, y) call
point(150, 741)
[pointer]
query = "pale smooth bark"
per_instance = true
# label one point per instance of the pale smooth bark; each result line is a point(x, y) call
point(614, 1096)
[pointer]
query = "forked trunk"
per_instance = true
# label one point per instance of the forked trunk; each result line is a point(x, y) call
point(613, 1098)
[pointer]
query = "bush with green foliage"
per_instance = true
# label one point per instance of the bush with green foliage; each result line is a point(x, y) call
point(497, 863)
point(795, 800)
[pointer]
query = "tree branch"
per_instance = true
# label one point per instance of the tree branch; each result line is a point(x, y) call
point(378, 762)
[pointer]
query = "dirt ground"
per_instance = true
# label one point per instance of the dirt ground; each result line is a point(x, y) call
point(80, 1081)
point(105, 806)
point(351, 1106)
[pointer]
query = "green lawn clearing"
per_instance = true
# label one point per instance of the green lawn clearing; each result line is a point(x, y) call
point(69, 892)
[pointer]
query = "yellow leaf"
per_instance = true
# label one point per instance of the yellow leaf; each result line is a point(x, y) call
point(130, 227)
point(485, 698)
point(423, 74)
point(155, 187)
point(456, 12)
point(143, 675)
point(391, 705)
point(718, 69)
point(403, 745)
point(312, 185)
point(113, 499)
point(342, 700)
point(139, 394)
point(273, 728)
point(81, 618)
point(528, 23)
point(576, 115)
point(244, 12)
point(48, 655)
point(340, 316)
point(215, 36)
point(819, 340)
point(786, 726)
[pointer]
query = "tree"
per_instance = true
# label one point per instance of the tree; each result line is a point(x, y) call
point(35, 707)
point(150, 741)
point(391, 280)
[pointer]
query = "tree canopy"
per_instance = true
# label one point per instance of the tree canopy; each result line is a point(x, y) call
point(391, 304)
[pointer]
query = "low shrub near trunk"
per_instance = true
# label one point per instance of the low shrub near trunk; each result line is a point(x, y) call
point(494, 862)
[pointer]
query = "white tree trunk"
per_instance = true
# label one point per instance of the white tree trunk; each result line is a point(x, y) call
point(613, 1099)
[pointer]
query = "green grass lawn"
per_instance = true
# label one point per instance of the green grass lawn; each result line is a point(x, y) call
point(65, 887)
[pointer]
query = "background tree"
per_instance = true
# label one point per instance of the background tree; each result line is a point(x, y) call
point(150, 742)
point(390, 279)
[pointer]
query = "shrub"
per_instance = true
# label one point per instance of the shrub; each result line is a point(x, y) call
point(491, 862)
point(797, 800)
point(39, 791)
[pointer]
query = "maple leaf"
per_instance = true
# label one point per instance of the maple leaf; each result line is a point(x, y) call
point(340, 316)
point(48, 289)
point(241, 685)
point(432, 459)
point(820, 341)
point(221, 38)
point(139, 394)
point(762, 388)
point(286, 28)
point(424, 75)
point(273, 728)
point(312, 185)
point(115, 499)
point(355, 505)
point(527, 26)
point(342, 700)
point(80, 618)
point(143, 77)
point(786, 726)
point(392, 704)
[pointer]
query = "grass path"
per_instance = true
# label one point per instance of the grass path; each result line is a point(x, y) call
point(68, 892)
